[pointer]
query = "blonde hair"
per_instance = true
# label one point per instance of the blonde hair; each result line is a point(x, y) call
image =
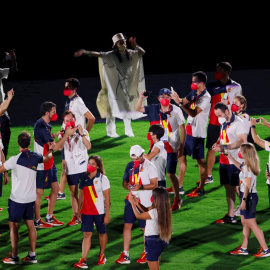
point(242, 101)
point(161, 202)
point(251, 158)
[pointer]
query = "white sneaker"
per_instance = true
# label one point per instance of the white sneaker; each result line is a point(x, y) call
point(237, 211)
point(112, 135)
point(129, 134)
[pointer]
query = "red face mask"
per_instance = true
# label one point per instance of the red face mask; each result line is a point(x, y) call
point(54, 117)
point(234, 108)
point(240, 155)
point(90, 168)
point(194, 86)
point(67, 92)
point(136, 163)
point(164, 102)
point(70, 124)
point(218, 76)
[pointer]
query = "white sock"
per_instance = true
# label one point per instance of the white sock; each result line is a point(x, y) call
point(48, 216)
point(60, 193)
point(126, 252)
point(31, 254)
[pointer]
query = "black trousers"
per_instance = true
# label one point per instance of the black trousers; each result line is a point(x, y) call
point(5, 132)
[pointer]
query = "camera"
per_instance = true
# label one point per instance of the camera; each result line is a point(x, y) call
point(147, 93)
point(258, 120)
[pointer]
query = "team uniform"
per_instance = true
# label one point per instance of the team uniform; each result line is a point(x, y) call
point(217, 90)
point(77, 106)
point(76, 157)
point(171, 121)
point(140, 175)
point(229, 131)
point(252, 191)
point(23, 189)
point(196, 126)
point(46, 172)
point(160, 161)
point(153, 244)
point(267, 148)
point(93, 209)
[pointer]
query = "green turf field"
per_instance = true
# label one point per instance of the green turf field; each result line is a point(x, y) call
point(197, 242)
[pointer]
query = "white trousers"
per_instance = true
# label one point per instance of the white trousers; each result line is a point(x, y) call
point(111, 127)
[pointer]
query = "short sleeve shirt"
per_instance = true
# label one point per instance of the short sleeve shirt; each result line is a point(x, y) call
point(93, 194)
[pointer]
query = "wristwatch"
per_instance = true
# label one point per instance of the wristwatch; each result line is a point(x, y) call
point(244, 199)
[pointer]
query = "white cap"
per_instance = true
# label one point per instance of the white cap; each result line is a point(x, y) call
point(117, 37)
point(136, 150)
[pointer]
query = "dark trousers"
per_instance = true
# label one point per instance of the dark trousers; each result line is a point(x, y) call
point(5, 132)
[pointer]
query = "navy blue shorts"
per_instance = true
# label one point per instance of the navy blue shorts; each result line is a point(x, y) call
point(154, 247)
point(213, 133)
point(73, 179)
point(19, 211)
point(246, 213)
point(62, 154)
point(194, 147)
point(229, 174)
point(88, 223)
point(161, 183)
point(171, 163)
point(129, 216)
point(46, 177)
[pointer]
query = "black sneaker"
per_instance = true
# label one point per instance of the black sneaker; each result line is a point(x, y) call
point(30, 259)
point(227, 219)
point(61, 196)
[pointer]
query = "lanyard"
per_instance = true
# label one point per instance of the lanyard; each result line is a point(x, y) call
point(135, 177)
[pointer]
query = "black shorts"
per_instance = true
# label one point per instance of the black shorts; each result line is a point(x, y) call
point(213, 133)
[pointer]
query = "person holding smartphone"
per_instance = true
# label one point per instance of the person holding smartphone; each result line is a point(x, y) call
point(263, 144)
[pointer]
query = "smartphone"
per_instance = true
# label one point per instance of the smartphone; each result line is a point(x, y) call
point(147, 93)
point(267, 167)
point(225, 96)
point(258, 120)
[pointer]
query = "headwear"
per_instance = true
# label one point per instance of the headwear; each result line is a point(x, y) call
point(136, 150)
point(117, 37)
point(164, 91)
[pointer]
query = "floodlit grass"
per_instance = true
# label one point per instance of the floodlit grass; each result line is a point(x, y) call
point(197, 242)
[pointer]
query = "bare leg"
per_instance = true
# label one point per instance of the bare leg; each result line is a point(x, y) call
point(14, 237)
point(32, 234)
point(174, 183)
point(38, 202)
point(252, 223)
point(74, 198)
point(127, 235)
point(210, 161)
point(86, 244)
point(63, 177)
point(153, 265)
point(230, 195)
point(52, 197)
point(202, 172)
point(246, 232)
point(182, 166)
point(103, 239)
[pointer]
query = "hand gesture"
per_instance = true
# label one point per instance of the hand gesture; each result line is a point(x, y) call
point(79, 53)
point(10, 94)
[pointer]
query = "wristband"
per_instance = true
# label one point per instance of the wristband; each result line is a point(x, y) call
point(141, 187)
point(244, 199)
point(83, 135)
point(253, 126)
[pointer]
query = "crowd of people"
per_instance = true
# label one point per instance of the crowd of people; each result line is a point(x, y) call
point(216, 120)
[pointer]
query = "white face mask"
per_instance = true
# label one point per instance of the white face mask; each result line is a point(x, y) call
point(221, 120)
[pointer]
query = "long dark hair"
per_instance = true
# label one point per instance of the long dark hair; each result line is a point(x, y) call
point(161, 202)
